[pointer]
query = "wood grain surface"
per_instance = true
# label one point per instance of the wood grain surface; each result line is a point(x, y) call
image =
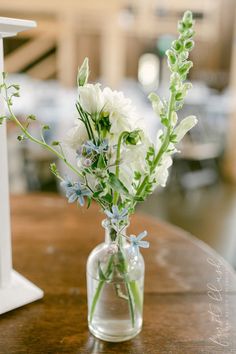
point(190, 292)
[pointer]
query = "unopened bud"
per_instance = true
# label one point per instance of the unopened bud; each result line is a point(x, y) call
point(83, 73)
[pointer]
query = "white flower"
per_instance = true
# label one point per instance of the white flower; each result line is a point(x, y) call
point(76, 136)
point(91, 98)
point(161, 173)
point(157, 104)
point(122, 114)
point(184, 126)
point(133, 158)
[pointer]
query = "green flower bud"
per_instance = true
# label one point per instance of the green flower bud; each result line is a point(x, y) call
point(188, 17)
point(171, 56)
point(188, 45)
point(183, 56)
point(132, 138)
point(189, 33)
point(179, 96)
point(184, 69)
point(83, 73)
point(181, 26)
point(187, 86)
point(177, 46)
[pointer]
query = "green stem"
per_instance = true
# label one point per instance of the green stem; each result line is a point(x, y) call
point(131, 299)
point(99, 289)
point(134, 287)
point(131, 303)
point(41, 142)
point(95, 299)
point(163, 148)
point(117, 163)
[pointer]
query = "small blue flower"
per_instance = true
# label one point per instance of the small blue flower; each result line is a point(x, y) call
point(99, 149)
point(75, 191)
point(67, 184)
point(136, 242)
point(116, 215)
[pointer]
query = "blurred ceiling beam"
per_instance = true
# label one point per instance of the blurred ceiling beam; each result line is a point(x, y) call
point(45, 69)
point(27, 53)
point(68, 21)
point(67, 49)
point(58, 6)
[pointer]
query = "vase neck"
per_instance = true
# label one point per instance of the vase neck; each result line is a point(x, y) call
point(111, 235)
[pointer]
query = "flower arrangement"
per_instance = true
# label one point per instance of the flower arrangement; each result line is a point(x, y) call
point(117, 164)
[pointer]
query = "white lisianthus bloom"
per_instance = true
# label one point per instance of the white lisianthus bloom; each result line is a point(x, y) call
point(76, 136)
point(184, 126)
point(122, 114)
point(91, 98)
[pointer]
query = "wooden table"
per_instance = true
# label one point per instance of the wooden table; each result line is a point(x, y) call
point(51, 242)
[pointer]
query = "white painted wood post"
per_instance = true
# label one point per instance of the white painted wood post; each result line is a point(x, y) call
point(15, 290)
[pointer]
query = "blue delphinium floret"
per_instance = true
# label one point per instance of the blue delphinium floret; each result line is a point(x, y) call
point(75, 191)
point(116, 215)
point(136, 242)
point(99, 149)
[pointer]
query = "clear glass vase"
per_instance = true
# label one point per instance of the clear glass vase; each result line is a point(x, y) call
point(115, 282)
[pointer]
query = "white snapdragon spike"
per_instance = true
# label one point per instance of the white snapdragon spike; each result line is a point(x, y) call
point(157, 104)
point(158, 142)
point(184, 126)
point(76, 136)
point(174, 119)
point(91, 98)
point(162, 171)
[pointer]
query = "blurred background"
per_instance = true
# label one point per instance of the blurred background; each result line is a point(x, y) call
point(125, 41)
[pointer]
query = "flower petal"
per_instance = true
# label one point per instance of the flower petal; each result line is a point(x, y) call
point(72, 198)
point(142, 235)
point(143, 244)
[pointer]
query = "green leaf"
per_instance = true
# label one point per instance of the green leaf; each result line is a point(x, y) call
point(107, 198)
point(101, 163)
point(116, 184)
point(55, 143)
point(2, 119)
point(138, 199)
point(96, 194)
point(165, 122)
point(45, 127)
point(137, 175)
point(100, 272)
point(16, 87)
point(31, 117)
point(89, 199)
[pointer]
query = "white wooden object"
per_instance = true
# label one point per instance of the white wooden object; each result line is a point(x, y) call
point(15, 290)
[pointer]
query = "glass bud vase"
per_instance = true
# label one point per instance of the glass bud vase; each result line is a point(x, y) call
point(115, 282)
